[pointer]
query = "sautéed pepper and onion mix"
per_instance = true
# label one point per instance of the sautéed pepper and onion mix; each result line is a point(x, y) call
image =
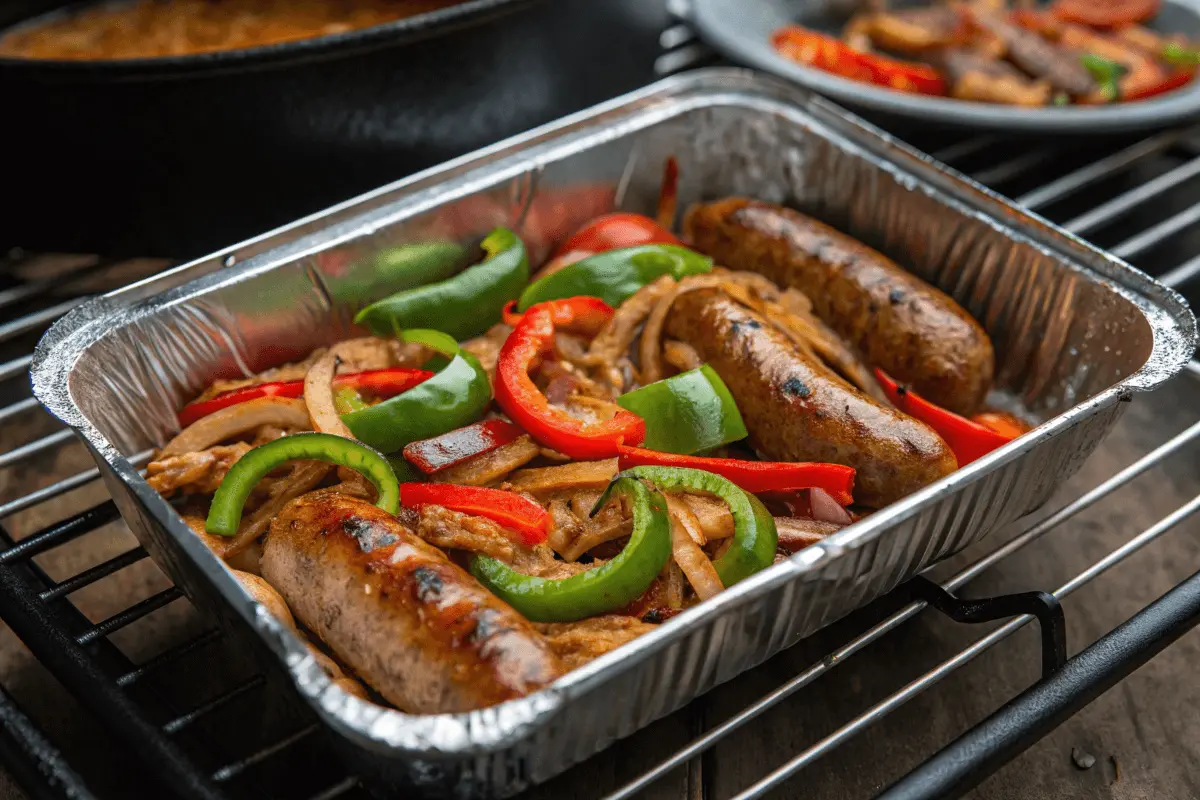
point(557, 458)
point(1063, 53)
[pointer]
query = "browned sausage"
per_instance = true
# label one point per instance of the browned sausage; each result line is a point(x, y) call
point(898, 322)
point(406, 619)
point(797, 409)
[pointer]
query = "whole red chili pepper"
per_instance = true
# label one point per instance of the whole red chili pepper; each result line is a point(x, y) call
point(516, 393)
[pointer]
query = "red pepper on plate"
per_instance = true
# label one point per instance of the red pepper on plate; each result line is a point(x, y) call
point(508, 509)
point(456, 446)
point(969, 440)
point(753, 476)
point(379, 382)
point(530, 342)
point(1105, 13)
point(832, 55)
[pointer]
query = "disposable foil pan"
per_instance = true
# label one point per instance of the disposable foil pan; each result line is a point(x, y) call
point(1076, 331)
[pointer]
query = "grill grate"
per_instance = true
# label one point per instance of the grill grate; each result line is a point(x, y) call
point(186, 736)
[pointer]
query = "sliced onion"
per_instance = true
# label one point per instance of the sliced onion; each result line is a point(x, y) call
point(700, 572)
point(543, 481)
point(229, 422)
point(826, 509)
point(303, 478)
point(649, 350)
point(318, 396)
point(714, 517)
point(687, 518)
point(797, 533)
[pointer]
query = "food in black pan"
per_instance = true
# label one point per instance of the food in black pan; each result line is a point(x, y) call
point(156, 28)
point(646, 421)
point(1075, 52)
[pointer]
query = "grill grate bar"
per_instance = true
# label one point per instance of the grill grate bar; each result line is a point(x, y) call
point(18, 408)
point(750, 712)
point(38, 319)
point(60, 533)
point(168, 657)
point(337, 790)
point(31, 289)
point(1136, 245)
point(1122, 203)
point(1099, 170)
point(90, 576)
point(18, 366)
point(183, 720)
point(916, 687)
point(965, 148)
point(19, 454)
point(130, 615)
point(61, 487)
point(1182, 274)
point(1015, 166)
point(230, 771)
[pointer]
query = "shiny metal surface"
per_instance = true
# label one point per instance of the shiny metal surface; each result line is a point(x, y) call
point(1077, 331)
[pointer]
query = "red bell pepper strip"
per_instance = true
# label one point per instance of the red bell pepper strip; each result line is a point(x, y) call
point(969, 440)
point(1002, 423)
point(753, 476)
point(828, 54)
point(378, 382)
point(441, 452)
point(617, 231)
point(586, 315)
point(516, 393)
point(1105, 13)
point(1170, 83)
point(508, 509)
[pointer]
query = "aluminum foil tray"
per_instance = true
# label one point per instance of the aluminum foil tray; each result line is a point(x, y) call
point(1077, 332)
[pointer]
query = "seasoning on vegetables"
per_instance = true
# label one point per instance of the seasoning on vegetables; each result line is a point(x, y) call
point(687, 413)
point(225, 514)
point(969, 440)
point(615, 275)
point(601, 589)
point(516, 393)
point(461, 444)
point(754, 476)
point(464, 305)
point(754, 535)
point(512, 511)
point(455, 396)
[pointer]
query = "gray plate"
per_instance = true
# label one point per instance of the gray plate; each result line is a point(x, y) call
point(741, 30)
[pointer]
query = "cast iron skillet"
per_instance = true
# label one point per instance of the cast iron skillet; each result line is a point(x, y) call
point(177, 156)
point(741, 31)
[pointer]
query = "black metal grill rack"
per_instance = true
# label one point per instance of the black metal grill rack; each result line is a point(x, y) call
point(170, 717)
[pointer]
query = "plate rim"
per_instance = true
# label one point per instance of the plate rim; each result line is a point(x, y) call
point(728, 37)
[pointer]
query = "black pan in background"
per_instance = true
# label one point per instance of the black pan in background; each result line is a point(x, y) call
point(741, 31)
point(182, 156)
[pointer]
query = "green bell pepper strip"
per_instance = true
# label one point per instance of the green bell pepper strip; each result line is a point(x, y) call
point(754, 534)
point(686, 413)
point(225, 514)
point(605, 588)
point(463, 306)
point(615, 275)
point(1107, 73)
point(394, 269)
point(456, 396)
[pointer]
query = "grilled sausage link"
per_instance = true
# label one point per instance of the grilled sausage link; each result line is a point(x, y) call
point(404, 617)
point(896, 321)
point(797, 409)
